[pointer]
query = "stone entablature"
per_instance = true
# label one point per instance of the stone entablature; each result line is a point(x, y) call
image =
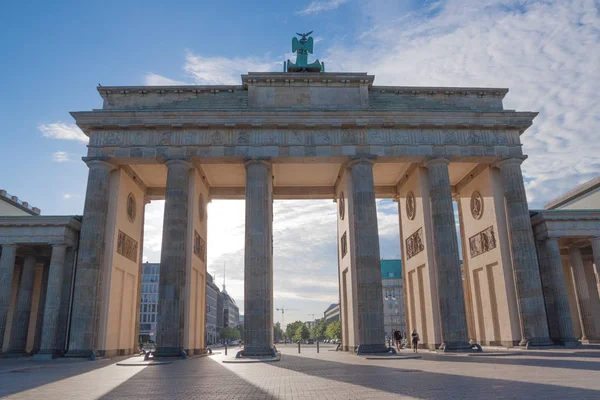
point(35, 230)
point(565, 223)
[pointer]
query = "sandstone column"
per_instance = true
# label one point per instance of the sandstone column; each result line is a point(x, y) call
point(50, 327)
point(453, 319)
point(582, 294)
point(20, 321)
point(530, 298)
point(171, 287)
point(85, 314)
point(596, 254)
point(258, 259)
point(559, 293)
point(365, 243)
point(7, 268)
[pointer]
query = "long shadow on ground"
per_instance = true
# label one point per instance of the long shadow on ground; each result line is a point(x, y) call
point(18, 375)
point(545, 361)
point(196, 378)
point(428, 385)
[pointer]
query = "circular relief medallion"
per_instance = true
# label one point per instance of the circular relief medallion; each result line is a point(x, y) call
point(476, 205)
point(201, 209)
point(411, 206)
point(131, 207)
point(342, 205)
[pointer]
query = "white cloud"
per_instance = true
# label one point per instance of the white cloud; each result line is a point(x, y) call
point(61, 156)
point(546, 52)
point(67, 195)
point(153, 79)
point(59, 130)
point(316, 7)
point(225, 71)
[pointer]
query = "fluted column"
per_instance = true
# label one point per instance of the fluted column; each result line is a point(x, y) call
point(7, 268)
point(365, 247)
point(582, 294)
point(530, 298)
point(50, 326)
point(171, 287)
point(258, 259)
point(453, 319)
point(20, 321)
point(85, 315)
point(596, 254)
point(559, 293)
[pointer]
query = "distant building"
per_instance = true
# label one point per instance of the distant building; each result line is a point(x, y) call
point(149, 302)
point(11, 206)
point(583, 197)
point(393, 296)
point(212, 290)
point(332, 313)
point(231, 312)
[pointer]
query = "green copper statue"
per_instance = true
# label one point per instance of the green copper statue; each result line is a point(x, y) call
point(302, 47)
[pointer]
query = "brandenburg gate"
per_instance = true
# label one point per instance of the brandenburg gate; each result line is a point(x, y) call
point(308, 134)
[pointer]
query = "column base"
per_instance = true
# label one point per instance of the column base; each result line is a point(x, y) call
point(91, 354)
point(460, 347)
point(162, 352)
point(47, 354)
point(537, 343)
point(372, 349)
point(257, 352)
point(590, 341)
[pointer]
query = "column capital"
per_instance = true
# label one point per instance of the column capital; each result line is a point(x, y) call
point(99, 162)
point(9, 245)
point(174, 161)
point(263, 161)
point(434, 161)
point(509, 161)
point(61, 244)
point(360, 160)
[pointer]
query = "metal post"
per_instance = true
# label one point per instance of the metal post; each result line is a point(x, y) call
point(225, 348)
point(298, 347)
point(317, 346)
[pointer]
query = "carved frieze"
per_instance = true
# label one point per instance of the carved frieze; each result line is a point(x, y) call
point(300, 137)
point(414, 243)
point(199, 246)
point(344, 245)
point(482, 242)
point(127, 246)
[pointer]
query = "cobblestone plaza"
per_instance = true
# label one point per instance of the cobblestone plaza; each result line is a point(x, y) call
point(550, 374)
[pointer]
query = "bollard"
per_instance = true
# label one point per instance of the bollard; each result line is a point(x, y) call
point(317, 346)
point(225, 348)
point(298, 347)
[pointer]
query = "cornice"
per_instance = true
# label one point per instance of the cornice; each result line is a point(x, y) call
point(149, 119)
point(441, 90)
point(541, 216)
point(73, 222)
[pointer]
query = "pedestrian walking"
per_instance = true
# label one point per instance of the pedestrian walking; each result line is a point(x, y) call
point(415, 340)
point(398, 339)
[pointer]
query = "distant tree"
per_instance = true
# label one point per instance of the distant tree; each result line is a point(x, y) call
point(334, 330)
point(318, 330)
point(277, 333)
point(229, 333)
point(301, 333)
point(240, 329)
point(291, 329)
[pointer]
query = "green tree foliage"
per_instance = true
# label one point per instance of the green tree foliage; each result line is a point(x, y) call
point(291, 329)
point(228, 333)
point(301, 333)
point(318, 330)
point(334, 330)
point(277, 333)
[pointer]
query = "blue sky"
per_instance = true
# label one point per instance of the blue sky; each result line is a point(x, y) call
point(55, 53)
